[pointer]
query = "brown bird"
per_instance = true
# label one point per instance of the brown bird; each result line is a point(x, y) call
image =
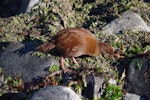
point(74, 42)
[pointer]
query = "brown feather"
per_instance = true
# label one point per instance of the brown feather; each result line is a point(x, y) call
point(105, 48)
point(46, 47)
point(74, 42)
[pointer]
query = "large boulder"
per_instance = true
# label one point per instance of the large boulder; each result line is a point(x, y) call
point(128, 21)
point(138, 76)
point(55, 93)
point(27, 5)
point(12, 7)
point(17, 59)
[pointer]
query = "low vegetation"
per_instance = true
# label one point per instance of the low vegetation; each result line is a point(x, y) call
point(48, 17)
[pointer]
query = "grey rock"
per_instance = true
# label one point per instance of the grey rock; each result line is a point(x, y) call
point(137, 76)
point(130, 96)
point(145, 98)
point(95, 87)
point(9, 7)
point(112, 81)
point(14, 96)
point(27, 5)
point(13, 7)
point(17, 59)
point(55, 93)
point(128, 21)
point(147, 1)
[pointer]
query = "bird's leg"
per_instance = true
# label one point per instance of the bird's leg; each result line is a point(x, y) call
point(62, 63)
point(74, 60)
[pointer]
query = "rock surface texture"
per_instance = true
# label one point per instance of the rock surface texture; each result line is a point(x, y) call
point(128, 21)
point(130, 96)
point(12, 7)
point(27, 5)
point(138, 81)
point(95, 87)
point(55, 93)
point(17, 59)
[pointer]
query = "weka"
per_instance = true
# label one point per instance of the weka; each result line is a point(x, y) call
point(74, 42)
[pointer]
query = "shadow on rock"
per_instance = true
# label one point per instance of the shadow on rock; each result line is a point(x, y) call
point(10, 8)
point(13, 96)
point(17, 59)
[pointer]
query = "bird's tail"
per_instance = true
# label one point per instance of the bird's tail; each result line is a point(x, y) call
point(105, 48)
point(46, 47)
